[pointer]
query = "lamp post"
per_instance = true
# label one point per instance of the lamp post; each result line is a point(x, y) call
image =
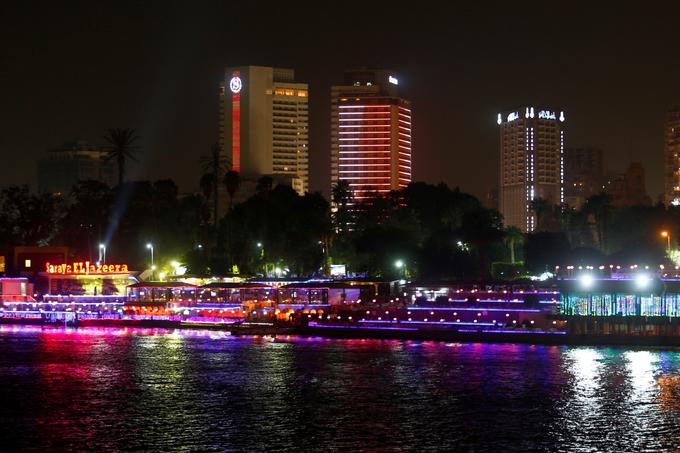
point(264, 265)
point(667, 235)
point(153, 266)
point(399, 264)
point(102, 253)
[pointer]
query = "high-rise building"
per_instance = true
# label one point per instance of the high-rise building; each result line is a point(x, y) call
point(583, 174)
point(672, 158)
point(61, 168)
point(531, 162)
point(264, 121)
point(370, 133)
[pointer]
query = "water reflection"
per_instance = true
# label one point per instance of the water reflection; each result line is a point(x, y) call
point(158, 389)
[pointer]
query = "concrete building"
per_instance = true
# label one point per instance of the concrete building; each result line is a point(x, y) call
point(61, 168)
point(371, 129)
point(264, 122)
point(628, 189)
point(531, 162)
point(672, 158)
point(583, 174)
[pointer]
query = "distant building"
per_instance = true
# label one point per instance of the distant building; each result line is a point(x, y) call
point(61, 168)
point(264, 122)
point(371, 127)
point(27, 261)
point(672, 158)
point(491, 198)
point(628, 189)
point(583, 174)
point(531, 162)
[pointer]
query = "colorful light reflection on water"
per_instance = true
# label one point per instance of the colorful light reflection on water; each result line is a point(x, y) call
point(159, 389)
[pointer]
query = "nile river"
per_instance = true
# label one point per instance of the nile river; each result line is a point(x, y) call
point(161, 390)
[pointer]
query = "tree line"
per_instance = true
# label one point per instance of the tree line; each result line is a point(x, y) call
point(424, 231)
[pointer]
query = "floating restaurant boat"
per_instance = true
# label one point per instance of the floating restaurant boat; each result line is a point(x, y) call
point(633, 306)
point(451, 311)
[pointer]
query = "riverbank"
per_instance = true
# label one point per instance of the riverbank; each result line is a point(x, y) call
point(386, 333)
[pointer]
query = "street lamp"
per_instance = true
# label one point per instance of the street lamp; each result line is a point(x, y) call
point(667, 235)
point(153, 266)
point(102, 253)
point(399, 264)
point(264, 264)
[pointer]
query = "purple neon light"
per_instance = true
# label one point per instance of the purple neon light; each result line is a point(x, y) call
point(533, 332)
point(519, 310)
point(434, 323)
point(328, 326)
point(14, 302)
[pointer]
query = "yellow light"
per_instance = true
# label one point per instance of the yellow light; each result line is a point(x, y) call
point(664, 233)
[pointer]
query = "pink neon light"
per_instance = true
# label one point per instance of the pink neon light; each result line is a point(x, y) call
point(367, 145)
point(363, 158)
point(365, 165)
point(368, 125)
point(369, 139)
point(378, 112)
point(375, 151)
point(367, 106)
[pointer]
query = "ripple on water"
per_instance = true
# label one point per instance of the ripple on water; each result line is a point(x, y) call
point(156, 389)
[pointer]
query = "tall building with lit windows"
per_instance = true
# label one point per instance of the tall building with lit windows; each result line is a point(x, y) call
point(672, 158)
point(370, 133)
point(264, 121)
point(531, 162)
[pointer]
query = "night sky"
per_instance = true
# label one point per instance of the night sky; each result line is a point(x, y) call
point(74, 69)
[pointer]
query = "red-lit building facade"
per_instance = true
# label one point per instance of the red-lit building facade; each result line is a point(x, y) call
point(371, 128)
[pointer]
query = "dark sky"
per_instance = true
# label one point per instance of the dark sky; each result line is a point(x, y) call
point(73, 69)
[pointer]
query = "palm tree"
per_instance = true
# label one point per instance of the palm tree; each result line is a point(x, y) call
point(213, 167)
point(513, 236)
point(264, 185)
point(599, 206)
point(540, 207)
point(207, 185)
point(121, 148)
point(232, 181)
point(341, 197)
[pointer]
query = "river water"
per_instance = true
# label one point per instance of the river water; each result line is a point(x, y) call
point(161, 390)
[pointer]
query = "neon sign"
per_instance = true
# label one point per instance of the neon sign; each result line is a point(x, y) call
point(235, 84)
point(547, 115)
point(85, 268)
point(513, 116)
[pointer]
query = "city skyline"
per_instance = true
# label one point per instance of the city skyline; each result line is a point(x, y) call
point(458, 75)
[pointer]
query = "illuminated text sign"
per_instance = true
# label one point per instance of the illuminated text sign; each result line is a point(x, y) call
point(85, 268)
point(547, 115)
point(393, 80)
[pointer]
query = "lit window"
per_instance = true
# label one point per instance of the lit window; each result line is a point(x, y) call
point(27, 263)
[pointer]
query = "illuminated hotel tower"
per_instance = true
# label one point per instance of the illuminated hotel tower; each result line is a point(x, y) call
point(531, 162)
point(672, 158)
point(370, 133)
point(264, 123)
